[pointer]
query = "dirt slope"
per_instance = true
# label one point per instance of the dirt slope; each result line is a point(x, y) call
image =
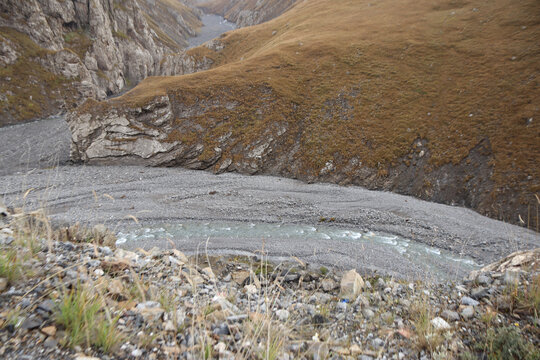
point(437, 100)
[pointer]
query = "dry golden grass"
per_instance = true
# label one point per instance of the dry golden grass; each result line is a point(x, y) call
point(363, 79)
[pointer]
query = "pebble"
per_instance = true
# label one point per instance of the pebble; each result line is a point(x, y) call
point(32, 322)
point(341, 306)
point(50, 343)
point(368, 314)
point(137, 353)
point(469, 301)
point(49, 330)
point(440, 324)
point(222, 329)
point(328, 285)
point(483, 279)
point(479, 293)
point(467, 312)
point(450, 315)
point(282, 315)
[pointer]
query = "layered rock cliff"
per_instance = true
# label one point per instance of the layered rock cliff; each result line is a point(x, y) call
point(55, 53)
point(439, 101)
point(247, 12)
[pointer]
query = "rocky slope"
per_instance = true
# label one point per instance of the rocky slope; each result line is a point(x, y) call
point(247, 12)
point(64, 298)
point(54, 54)
point(436, 101)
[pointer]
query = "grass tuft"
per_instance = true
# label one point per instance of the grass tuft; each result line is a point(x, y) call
point(79, 312)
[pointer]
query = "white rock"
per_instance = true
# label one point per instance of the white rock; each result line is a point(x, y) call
point(440, 324)
point(351, 284)
point(282, 315)
point(136, 353)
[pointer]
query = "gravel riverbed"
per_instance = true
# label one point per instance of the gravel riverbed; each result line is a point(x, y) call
point(35, 172)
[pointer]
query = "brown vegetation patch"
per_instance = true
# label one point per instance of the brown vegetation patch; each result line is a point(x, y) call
point(362, 80)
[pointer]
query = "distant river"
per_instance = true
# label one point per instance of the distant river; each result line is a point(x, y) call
point(213, 27)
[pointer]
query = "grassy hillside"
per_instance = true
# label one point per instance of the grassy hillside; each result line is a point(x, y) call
point(390, 86)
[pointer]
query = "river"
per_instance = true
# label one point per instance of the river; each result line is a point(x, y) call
point(213, 27)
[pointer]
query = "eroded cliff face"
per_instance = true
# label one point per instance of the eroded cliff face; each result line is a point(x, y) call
point(393, 97)
point(55, 54)
point(247, 12)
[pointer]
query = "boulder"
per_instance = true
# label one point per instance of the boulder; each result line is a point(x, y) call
point(351, 284)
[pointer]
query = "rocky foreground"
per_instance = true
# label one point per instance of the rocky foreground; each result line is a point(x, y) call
point(70, 294)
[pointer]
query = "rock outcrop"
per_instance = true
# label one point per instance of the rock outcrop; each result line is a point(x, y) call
point(247, 12)
point(304, 96)
point(56, 53)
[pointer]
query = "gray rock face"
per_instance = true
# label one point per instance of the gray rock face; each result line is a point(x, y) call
point(101, 47)
point(248, 13)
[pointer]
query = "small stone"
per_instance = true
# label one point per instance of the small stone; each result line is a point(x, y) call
point(251, 289)
point(479, 293)
point(151, 311)
point(368, 313)
point(169, 326)
point(450, 315)
point(355, 350)
point(341, 306)
point(32, 322)
point(137, 353)
point(148, 305)
point(47, 306)
point(99, 272)
point(469, 301)
point(106, 251)
point(328, 285)
point(3, 284)
point(49, 330)
point(440, 324)
point(222, 329)
point(240, 277)
point(291, 277)
point(282, 315)
point(361, 300)
point(318, 319)
point(50, 343)
point(237, 318)
point(180, 256)
point(377, 342)
point(351, 284)
point(467, 312)
point(86, 358)
point(208, 272)
point(380, 283)
point(483, 279)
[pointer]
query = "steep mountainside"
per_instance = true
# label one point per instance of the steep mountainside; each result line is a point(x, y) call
point(437, 100)
point(247, 12)
point(55, 53)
